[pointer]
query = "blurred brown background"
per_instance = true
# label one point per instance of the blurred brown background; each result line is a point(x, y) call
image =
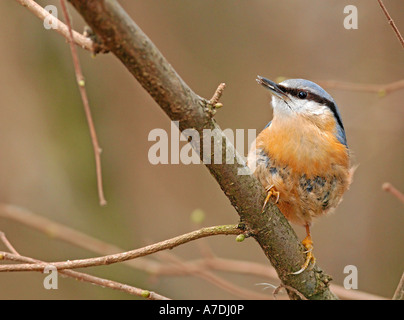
point(46, 158)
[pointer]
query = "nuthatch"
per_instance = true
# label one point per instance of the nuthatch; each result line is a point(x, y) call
point(301, 157)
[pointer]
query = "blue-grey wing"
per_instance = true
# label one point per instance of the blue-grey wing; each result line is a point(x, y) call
point(341, 135)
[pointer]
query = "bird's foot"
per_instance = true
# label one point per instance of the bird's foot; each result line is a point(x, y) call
point(271, 191)
point(308, 244)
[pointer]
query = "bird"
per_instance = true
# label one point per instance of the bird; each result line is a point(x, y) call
point(301, 157)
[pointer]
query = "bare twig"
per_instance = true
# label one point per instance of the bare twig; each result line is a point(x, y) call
point(388, 187)
point(15, 256)
point(79, 39)
point(120, 257)
point(217, 95)
point(391, 22)
point(89, 278)
point(83, 93)
point(59, 231)
point(7, 243)
point(381, 89)
point(399, 293)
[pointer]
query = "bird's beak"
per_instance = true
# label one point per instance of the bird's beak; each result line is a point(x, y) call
point(272, 86)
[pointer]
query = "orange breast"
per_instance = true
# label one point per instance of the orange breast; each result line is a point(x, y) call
point(305, 146)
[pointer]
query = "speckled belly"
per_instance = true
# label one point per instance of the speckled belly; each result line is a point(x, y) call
point(302, 197)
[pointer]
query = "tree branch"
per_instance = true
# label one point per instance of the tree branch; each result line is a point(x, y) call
point(89, 278)
point(140, 56)
point(125, 256)
point(15, 256)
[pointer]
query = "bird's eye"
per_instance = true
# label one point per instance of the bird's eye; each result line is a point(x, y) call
point(302, 94)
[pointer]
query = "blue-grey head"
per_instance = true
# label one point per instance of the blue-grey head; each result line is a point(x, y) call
point(300, 96)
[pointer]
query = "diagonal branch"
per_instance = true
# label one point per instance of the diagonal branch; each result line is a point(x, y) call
point(391, 22)
point(15, 256)
point(380, 89)
point(81, 40)
point(136, 51)
point(399, 293)
point(388, 187)
point(124, 256)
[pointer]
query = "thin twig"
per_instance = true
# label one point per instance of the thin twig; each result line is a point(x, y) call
point(381, 89)
point(15, 256)
point(79, 239)
point(89, 278)
point(399, 293)
point(7, 243)
point(83, 93)
point(391, 22)
point(217, 95)
point(388, 187)
point(124, 256)
point(59, 26)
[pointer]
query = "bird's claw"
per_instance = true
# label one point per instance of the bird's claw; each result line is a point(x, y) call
point(308, 244)
point(271, 191)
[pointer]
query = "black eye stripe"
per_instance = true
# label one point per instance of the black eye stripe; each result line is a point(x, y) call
point(314, 97)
